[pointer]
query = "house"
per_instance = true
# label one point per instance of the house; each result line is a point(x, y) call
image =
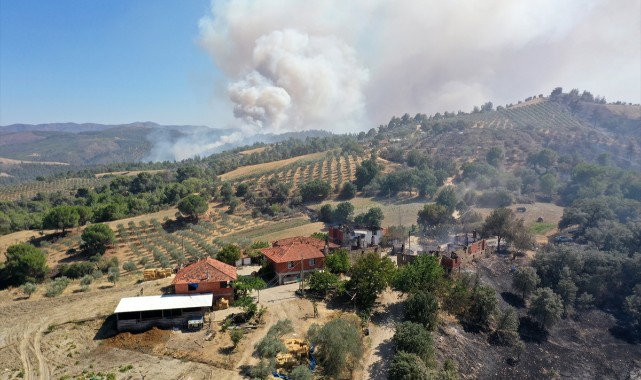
point(356, 237)
point(290, 258)
point(206, 276)
point(172, 310)
point(318, 243)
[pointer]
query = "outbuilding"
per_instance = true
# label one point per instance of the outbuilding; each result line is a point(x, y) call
point(170, 310)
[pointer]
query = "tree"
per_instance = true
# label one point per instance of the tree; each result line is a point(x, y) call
point(236, 335)
point(567, 289)
point(547, 183)
point(414, 338)
point(369, 277)
point(483, 305)
point(372, 218)
point(315, 190)
point(546, 307)
point(494, 156)
point(113, 275)
point(271, 344)
point(503, 223)
point(322, 281)
point(525, 280)
point(242, 189)
point(339, 343)
point(326, 213)
point(25, 263)
point(545, 158)
point(337, 261)
point(432, 217)
point(366, 172)
point(406, 365)
point(229, 254)
point(61, 217)
point(424, 273)
point(192, 206)
point(447, 198)
point(343, 213)
point(96, 238)
point(422, 307)
point(348, 191)
point(245, 284)
point(226, 192)
point(187, 172)
point(129, 266)
point(301, 372)
point(507, 325)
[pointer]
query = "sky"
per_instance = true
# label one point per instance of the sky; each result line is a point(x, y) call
point(286, 65)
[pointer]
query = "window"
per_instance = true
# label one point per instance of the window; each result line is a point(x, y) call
point(290, 264)
point(312, 262)
point(224, 284)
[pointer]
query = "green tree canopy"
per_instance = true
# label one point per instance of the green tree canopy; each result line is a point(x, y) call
point(229, 254)
point(96, 238)
point(315, 190)
point(494, 156)
point(372, 218)
point(192, 205)
point(525, 281)
point(338, 261)
point(432, 216)
point(366, 172)
point(323, 281)
point(446, 197)
point(414, 338)
point(370, 275)
point(503, 223)
point(61, 217)
point(546, 307)
point(343, 212)
point(348, 191)
point(25, 263)
point(424, 273)
point(339, 343)
point(422, 307)
point(406, 366)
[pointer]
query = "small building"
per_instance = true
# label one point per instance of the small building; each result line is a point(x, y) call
point(244, 260)
point(356, 237)
point(291, 258)
point(172, 310)
point(318, 243)
point(206, 276)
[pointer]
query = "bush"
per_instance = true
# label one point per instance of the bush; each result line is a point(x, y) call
point(415, 339)
point(86, 280)
point(348, 191)
point(129, 266)
point(28, 289)
point(422, 308)
point(57, 286)
point(236, 335)
point(315, 190)
point(301, 372)
point(77, 270)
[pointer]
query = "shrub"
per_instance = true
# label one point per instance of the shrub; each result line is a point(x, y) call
point(129, 266)
point(28, 289)
point(87, 280)
point(57, 286)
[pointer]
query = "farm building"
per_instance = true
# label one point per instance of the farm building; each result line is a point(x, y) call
point(295, 256)
point(142, 313)
point(206, 276)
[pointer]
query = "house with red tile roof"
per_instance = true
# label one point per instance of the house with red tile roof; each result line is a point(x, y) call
point(206, 276)
point(292, 257)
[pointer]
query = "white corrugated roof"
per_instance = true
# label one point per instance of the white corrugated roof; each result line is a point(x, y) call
point(164, 302)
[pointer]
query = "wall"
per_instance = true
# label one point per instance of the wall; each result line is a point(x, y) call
point(206, 287)
point(283, 268)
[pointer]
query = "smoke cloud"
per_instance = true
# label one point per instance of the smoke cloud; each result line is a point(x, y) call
point(295, 65)
point(347, 66)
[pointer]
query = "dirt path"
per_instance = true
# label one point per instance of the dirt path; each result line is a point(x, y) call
point(381, 350)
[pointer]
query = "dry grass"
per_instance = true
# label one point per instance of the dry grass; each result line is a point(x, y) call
point(9, 161)
point(256, 150)
point(130, 173)
point(257, 169)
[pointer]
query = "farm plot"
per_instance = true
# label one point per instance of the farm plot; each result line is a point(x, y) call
point(30, 189)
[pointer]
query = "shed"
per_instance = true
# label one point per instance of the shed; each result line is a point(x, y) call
point(141, 313)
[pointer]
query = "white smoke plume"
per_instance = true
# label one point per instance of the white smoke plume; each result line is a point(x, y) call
point(349, 65)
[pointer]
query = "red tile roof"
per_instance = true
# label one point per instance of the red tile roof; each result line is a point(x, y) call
point(293, 252)
point(318, 243)
point(207, 270)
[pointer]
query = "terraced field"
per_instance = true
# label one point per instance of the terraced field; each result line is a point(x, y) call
point(30, 189)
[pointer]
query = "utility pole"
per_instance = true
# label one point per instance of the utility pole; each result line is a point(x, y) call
point(302, 287)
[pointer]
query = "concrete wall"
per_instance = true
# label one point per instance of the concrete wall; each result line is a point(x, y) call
point(206, 287)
